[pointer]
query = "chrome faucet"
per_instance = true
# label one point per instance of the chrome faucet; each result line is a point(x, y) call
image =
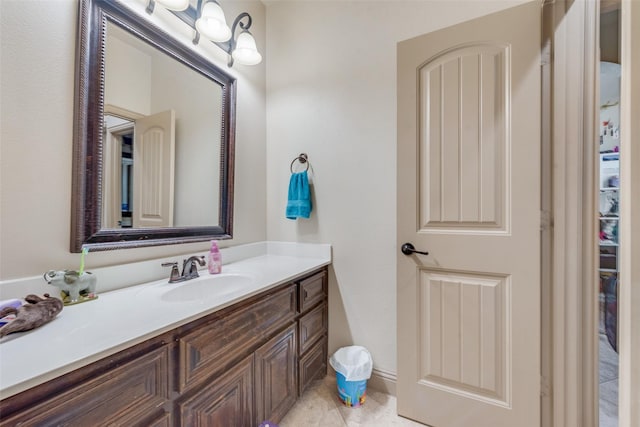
point(189, 269)
point(175, 274)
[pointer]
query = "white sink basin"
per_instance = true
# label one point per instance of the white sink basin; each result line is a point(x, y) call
point(206, 287)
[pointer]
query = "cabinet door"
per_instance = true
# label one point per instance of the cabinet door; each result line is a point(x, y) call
point(313, 365)
point(132, 394)
point(225, 402)
point(276, 376)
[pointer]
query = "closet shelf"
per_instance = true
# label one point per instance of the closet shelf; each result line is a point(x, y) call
point(606, 243)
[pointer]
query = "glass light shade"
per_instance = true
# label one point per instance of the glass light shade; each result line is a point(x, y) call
point(174, 4)
point(246, 52)
point(212, 23)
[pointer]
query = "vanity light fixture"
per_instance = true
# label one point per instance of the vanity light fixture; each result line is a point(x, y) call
point(240, 48)
point(168, 4)
point(245, 50)
point(211, 23)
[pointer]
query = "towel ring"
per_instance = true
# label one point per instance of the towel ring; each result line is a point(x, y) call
point(302, 158)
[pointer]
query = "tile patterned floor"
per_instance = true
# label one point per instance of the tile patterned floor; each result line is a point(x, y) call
point(320, 406)
point(608, 384)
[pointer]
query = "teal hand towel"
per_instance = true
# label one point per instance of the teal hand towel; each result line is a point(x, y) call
point(299, 200)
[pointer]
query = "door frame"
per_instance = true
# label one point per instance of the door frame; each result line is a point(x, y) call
point(112, 166)
point(569, 220)
point(570, 110)
point(629, 290)
point(569, 300)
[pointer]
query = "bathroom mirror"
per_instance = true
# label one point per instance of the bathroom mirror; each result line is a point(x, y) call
point(154, 133)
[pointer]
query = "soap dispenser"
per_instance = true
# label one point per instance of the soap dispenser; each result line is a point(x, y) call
point(215, 258)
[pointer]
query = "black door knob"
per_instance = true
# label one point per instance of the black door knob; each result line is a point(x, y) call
point(409, 249)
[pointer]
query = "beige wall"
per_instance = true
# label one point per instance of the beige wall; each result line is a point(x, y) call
point(128, 69)
point(331, 92)
point(36, 117)
point(331, 74)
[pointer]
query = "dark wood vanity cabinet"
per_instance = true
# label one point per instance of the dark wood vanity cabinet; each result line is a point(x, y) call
point(313, 325)
point(131, 388)
point(239, 366)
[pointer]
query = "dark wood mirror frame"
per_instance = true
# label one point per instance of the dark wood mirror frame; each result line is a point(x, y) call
point(86, 205)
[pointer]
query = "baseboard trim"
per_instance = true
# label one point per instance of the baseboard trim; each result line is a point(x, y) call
point(384, 381)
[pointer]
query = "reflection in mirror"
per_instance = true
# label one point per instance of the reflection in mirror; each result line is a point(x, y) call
point(158, 99)
point(153, 136)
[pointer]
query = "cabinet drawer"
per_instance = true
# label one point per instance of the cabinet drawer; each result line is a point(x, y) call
point(312, 290)
point(312, 326)
point(217, 344)
point(313, 365)
point(131, 394)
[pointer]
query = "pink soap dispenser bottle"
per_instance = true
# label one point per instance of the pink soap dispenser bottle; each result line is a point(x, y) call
point(215, 258)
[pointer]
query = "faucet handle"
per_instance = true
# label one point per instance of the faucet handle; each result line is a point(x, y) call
point(175, 274)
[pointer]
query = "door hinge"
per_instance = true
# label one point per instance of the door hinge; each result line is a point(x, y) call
point(545, 220)
point(545, 387)
point(545, 54)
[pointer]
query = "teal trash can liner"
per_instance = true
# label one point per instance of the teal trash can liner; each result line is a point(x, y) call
point(353, 366)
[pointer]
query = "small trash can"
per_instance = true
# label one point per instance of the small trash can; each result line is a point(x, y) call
point(353, 366)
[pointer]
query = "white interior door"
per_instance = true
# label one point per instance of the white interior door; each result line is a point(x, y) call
point(153, 170)
point(111, 180)
point(469, 194)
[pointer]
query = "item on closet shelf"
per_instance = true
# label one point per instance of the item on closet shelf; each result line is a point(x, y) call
point(75, 287)
point(215, 258)
point(30, 316)
point(610, 203)
point(611, 310)
point(608, 231)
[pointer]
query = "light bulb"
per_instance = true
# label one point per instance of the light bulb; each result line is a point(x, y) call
point(245, 51)
point(174, 4)
point(212, 23)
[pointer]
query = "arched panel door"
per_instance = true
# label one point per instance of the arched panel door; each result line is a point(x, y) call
point(469, 195)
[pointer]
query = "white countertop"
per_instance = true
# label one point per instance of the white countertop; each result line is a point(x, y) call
point(87, 332)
